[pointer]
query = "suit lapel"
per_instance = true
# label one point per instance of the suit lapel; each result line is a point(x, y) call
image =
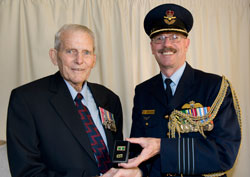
point(65, 107)
point(101, 101)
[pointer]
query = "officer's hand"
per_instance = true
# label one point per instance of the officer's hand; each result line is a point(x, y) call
point(151, 147)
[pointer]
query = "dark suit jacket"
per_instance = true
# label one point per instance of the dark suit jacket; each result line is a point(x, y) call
point(45, 136)
point(192, 154)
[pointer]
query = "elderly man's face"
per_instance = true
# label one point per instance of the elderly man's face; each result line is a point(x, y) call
point(75, 57)
point(170, 50)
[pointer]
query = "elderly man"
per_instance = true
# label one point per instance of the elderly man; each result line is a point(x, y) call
point(62, 125)
point(190, 120)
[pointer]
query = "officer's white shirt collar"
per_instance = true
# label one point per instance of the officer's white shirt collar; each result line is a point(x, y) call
point(175, 78)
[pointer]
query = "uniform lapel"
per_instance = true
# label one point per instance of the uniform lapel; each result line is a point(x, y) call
point(184, 88)
point(157, 90)
point(65, 107)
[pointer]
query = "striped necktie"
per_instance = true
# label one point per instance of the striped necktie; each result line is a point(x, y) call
point(95, 138)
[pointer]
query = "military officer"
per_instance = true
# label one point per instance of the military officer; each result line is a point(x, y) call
point(187, 121)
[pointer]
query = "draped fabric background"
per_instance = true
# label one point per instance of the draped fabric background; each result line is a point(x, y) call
point(220, 43)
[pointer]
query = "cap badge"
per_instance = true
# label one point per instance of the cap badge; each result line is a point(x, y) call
point(169, 18)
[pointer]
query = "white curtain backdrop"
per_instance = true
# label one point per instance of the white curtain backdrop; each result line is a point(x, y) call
point(220, 43)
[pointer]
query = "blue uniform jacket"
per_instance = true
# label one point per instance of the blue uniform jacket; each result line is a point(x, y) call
point(191, 154)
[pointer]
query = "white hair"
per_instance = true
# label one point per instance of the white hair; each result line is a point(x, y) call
point(74, 27)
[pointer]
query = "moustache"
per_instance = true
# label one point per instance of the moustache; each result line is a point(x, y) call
point(167, 49)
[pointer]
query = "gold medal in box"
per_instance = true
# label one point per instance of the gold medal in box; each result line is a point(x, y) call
point(121, 151)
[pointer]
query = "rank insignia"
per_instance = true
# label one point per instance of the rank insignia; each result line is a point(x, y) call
point(169, 18)
point(107, 119)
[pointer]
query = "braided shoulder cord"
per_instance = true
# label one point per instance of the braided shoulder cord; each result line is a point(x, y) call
point(238, 113)
point(174, 123)
point(236, 105)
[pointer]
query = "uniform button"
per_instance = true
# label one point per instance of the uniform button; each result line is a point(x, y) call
point(166, 116)
point(168, 134)
point(146, 123)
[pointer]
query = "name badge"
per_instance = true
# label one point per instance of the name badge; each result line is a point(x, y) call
point(152, 111)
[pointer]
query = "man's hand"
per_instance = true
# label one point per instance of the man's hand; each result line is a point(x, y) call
point(151, 147)
point(131, 172)
point(111, 172)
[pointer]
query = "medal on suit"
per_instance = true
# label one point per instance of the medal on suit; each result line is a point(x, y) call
point(107, 119)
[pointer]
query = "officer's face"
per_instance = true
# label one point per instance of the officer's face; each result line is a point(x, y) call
point(75, 58)
point(170, 51)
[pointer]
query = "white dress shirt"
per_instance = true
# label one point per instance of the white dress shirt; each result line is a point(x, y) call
point(89, 102)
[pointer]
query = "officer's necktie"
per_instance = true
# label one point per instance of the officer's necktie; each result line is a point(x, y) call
point(168, 90)
point(95, 138)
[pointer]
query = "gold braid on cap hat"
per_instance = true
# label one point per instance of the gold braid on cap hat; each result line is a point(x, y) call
point(169, 30)
point(175, 125)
